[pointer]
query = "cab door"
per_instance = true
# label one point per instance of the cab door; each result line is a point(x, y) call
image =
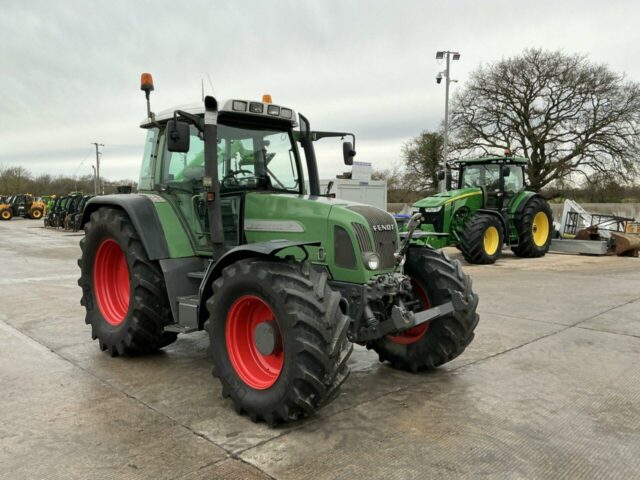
point(492, 186)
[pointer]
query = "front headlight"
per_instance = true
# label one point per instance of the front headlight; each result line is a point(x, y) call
point(432, 209)
point(373, 261)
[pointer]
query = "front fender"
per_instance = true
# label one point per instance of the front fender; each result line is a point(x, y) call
point(250, 250)
point(503, 221)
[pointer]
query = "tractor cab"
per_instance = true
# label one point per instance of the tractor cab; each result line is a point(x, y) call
point(499, 178)
point(20, 204)
point(258, 149)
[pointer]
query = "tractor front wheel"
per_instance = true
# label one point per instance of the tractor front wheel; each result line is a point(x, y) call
point(278, 339)
point(35, 214)
point(482, 239)
point(436, 280)
point(123, 291)
point(6, 214)
point(534, 225)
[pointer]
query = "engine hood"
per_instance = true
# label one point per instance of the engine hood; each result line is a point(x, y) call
point(443, 198)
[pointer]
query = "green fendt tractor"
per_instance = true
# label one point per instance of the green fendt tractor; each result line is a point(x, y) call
point(490, 208)
point(222, 236)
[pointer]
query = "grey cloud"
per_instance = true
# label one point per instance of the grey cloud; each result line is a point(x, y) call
point(69, 70)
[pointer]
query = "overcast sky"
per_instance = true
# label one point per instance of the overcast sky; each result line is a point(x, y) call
point(69, 71)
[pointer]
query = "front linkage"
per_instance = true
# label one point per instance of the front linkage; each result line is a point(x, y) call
point(401, 307)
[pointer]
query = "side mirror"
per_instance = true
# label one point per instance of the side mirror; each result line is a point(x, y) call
point(440, 175)
point(348, 153)
point(506, 170)
point(178, 136)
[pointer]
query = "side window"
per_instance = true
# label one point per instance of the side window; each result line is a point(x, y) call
point(280, 161)
point(185, 167)
point(148, 163)
point(514, 182)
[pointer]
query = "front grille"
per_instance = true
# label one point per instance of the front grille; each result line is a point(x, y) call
point(384, 241)
point(434, 218)
point(362, 234)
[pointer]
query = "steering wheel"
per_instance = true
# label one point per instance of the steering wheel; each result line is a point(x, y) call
point(231, 180)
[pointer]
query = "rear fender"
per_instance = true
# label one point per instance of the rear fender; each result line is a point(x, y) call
point(250, 250)
point(142, 214)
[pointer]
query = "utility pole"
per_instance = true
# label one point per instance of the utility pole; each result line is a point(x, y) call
point(95, 180)
point(446, 73)
point(98, 184)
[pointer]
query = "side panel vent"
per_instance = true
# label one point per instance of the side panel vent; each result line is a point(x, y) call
point(345, 257)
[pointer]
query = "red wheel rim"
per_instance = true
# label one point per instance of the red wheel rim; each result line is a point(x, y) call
point(414, 334)
point(111, 282)
point(255, 369)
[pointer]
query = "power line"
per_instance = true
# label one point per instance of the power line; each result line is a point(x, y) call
point(82, 162)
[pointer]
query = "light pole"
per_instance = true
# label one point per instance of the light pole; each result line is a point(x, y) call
point(450, 56)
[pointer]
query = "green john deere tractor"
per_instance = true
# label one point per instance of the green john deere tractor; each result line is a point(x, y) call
point(490, 208)
point(222, 235)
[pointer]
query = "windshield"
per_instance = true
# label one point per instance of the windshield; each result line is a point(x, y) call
point(481, 176)
point(249, 158)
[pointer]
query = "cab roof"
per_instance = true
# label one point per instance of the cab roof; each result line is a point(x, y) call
point(493, 159)
point(229, 106)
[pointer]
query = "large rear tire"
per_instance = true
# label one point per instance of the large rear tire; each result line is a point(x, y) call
point(535, 229)
point(290, 308)
point(436, 279)
point(123, 291)
point(6, 214)
point(482, 239)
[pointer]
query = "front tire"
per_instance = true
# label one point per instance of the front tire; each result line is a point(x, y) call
point(482, 239)
point(123, 291)
point(6, 214)
point(35, 214)
point(305, 360)
point(436, 279)
point(535, 229)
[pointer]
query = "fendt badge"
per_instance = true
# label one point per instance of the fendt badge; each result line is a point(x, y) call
point(382, 228)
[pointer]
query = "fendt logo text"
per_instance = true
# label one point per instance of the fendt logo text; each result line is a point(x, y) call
point(384, 228)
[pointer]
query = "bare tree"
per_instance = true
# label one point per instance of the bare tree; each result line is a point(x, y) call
point(14, 179)
point(17, 179)
point(422, 156)
point(560, 111)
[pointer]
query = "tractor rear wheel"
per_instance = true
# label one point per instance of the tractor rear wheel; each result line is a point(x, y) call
point(123, 291)
point(534, 225)
point(482, 239)
point(436, 280)
point(278, 339)
point(6, 214)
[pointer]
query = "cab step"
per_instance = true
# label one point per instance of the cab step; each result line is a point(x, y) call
point(196, 275)
point(187, 315)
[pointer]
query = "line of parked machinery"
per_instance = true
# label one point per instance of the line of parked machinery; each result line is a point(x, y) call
point(66, 211)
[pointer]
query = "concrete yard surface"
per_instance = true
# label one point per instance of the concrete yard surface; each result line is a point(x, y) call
point(549, 388)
